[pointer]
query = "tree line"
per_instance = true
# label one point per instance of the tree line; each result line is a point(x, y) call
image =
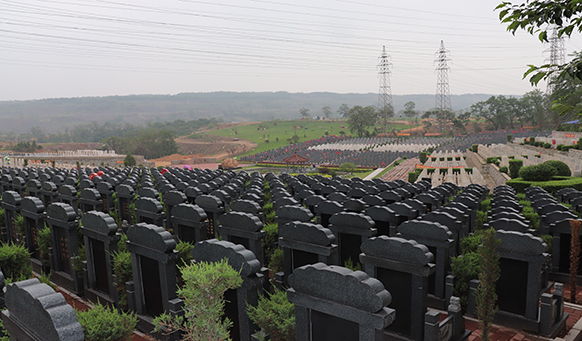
point(152, 140)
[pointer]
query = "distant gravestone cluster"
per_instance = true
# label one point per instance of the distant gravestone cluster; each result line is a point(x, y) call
point(401, 235)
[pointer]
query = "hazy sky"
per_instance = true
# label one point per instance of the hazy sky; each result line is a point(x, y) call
point(72, 48)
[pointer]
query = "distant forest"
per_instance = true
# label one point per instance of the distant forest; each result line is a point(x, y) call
point(65, 115)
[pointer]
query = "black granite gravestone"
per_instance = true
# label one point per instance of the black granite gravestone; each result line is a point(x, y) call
point(214, 208)
point(403, 266)
point(335, 303)
point(32, 210)
point(101, 237)
point(190, 223)
point(306, 243)
point(350, 230)
point(245, 229)
point(241, 260)
point(11, 205)
point(37, 312)
point(63, 223)
point(125, 196)
point(153, 289)
point(149, 211)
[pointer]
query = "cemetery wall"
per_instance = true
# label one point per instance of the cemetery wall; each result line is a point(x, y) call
point(488, 168)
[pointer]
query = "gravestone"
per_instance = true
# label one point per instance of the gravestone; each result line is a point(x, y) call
point(11, 205)
point(49, 193)
point(36, 312)
point(68, 195)
point(5, 183)
point(171, 199)
point(521, 286)
point(32, 210)
point(351, 230)
point(244, 229)
point(248, 206)
point(243, 260)
point(90, 200)
point(106, 191)
point(454, 225)
point(153, 289)
point(149, 211)
point(63, 223)
point(33, 187)
point(385, 220)
point(287, 214)
point(547, 219)
point(190, 223)
point(306, 243)
point(311, 201)
point(325, 209)
point(19, 185)
point(439, 240)
point(335, 303)
point(101, 238)
point(562, 238)
point(403, 266)
point(125, 195)
point(214, 208)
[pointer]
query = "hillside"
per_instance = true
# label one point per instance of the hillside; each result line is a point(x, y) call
point(60, 113)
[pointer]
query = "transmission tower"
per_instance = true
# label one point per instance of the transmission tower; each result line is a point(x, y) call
point(443, 93)
point(557, 57)
point(385, 92)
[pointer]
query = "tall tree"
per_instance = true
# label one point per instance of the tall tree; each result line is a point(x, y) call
point(361, 119)
point(491, 110)
point(486, 300)
point(409, 110)
point(304, 113)
point(327, 111)
point(384, 114)
point(343, 111)
point(539, 16)
point(536, 108)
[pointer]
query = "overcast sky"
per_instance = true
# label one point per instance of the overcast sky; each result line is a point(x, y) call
point(73, 48)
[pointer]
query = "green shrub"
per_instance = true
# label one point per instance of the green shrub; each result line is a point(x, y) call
point(106, 324)
point(557, 183)
point(559, 147)
point(442, 158)
point(456, 170)
point(566, 148)
point(547, 145)
point(203, 297)
point(423, 158)
point(532, 141)
point(561, 167)
point(350, 265)
point(443, 171)
point(541, 172)
point(129, 160)
point(412, 177)
point(511, 157)
point(457, 158)
point(474, 148)
point(2, 217)
point(549, 240)
point(347, 167)
point(480, 219)
point(123, 273)
point(503, 169)
point(430, 170)
point(514, 167)
point(497, 163)
point(469, 170)
point(534, 218)
point(449, 158)
point(275, 315)
point(271, 237)
point(509, 137)
point(276, 261)
point(14, 262)
point(470, 243)
point(465, 268)
point(44, 243)
point(491, 159)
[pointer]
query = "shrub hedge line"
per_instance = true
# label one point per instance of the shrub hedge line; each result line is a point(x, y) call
point(557, 183)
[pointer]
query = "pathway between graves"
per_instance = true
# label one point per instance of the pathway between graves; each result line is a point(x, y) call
point(401, 171)
point(374, 173)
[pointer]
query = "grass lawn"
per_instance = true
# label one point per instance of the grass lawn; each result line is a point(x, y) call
point(282, 130)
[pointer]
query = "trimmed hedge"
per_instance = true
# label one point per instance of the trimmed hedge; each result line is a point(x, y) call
point(514, 167)
point(556, 184)
point(561, 168)
point(541, 172)
point(503, 169)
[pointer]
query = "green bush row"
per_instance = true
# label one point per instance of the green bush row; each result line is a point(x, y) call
point(552, 186)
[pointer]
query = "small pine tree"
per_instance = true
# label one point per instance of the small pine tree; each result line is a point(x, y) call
point(486, 300)
point(574, 257)
point(129, 160)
